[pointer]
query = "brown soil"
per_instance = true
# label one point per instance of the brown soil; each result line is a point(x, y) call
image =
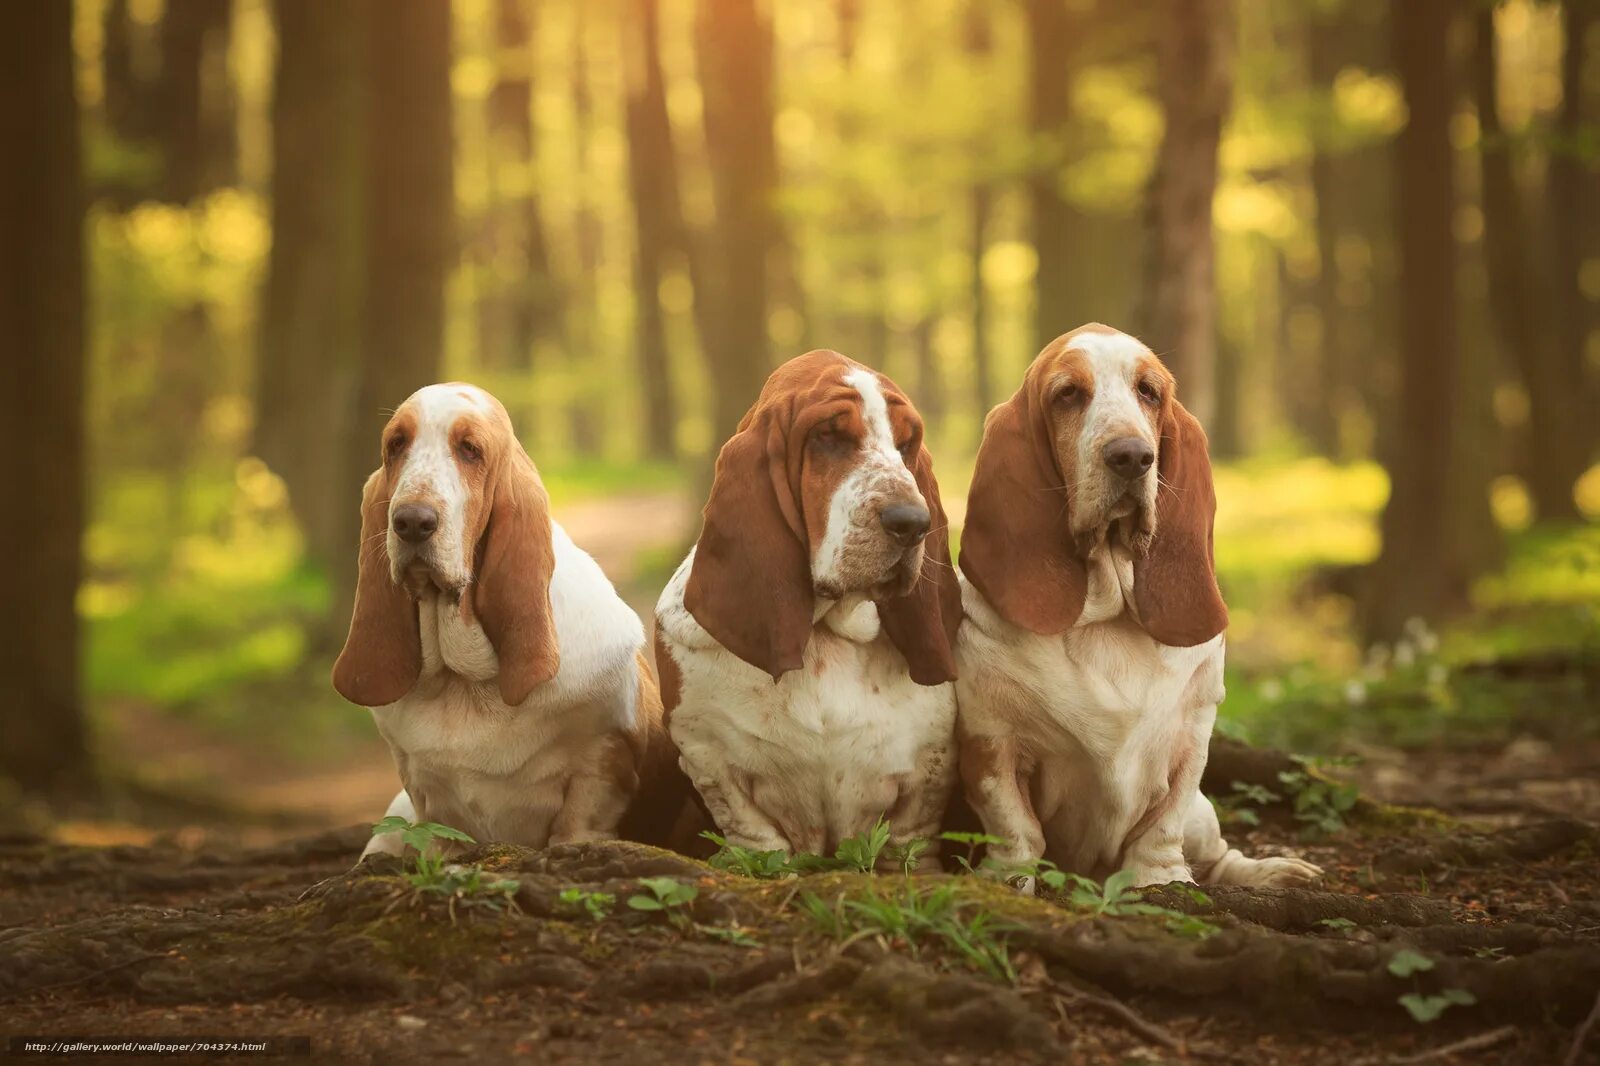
point(168, 940)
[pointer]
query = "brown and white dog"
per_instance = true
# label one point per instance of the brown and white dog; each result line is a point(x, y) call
point(501, 666)
point(805, 643)
point(1091, 657)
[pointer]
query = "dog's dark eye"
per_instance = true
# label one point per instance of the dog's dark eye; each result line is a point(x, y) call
point(1149, 393)
point(1069, 394)
point(469, 452)
point(396, 445)
point(828, 439)
point(908, 450)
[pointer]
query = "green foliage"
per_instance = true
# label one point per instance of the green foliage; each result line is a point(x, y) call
point(1426, 1008)
point(597, 905)
point(919, 919)
point(1319, 803)
point(431, 875)
point(665, 895)
point(1236, 808)
point(1406, 962)
point(1338, 925)
point(860, 853)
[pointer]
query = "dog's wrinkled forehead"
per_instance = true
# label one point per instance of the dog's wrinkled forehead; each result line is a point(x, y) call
point(1107, 357)
point(436, 407)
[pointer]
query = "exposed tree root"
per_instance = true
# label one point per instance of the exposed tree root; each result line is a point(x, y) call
point(1516, 844)
point(1310, 978)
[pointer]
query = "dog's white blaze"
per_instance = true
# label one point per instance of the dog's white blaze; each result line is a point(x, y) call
point(430, 475)
point(878, 462)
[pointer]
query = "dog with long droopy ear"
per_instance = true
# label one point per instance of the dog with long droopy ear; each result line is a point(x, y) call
point(1091, 656)
point(806, 643)
point(504, 671)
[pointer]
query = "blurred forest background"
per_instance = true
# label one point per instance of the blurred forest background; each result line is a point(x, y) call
point(1365, 235)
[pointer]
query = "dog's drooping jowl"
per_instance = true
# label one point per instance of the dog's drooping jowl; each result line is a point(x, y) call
point(805, 645)
point(1091, 656)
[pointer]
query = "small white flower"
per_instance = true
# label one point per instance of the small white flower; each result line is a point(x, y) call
point(1355, 692)
point(1404, 654)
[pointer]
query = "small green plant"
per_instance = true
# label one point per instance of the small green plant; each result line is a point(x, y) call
point(1422, 1006)
point(1338, 925)
point(1406, 962)
point(1319, 803)
point(597, 905)
point(860, 852)
point(666, 895)
point(1496, 952)
point(1425, 1008)
point(763, 865)
point(918, 919)
point(1118, 898)
point(972, 842)
point(1238, 807)
point(420, 837)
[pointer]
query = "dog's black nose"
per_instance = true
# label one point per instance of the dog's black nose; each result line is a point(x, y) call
point(414, 522)
point(907, 523)
point(1129, 457)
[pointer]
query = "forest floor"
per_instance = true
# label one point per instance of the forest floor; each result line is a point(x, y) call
point(1492, 900)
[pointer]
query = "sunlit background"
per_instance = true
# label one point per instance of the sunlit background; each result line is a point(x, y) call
point(617, 215)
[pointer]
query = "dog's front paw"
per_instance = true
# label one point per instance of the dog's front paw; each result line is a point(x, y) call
point(1276, 871)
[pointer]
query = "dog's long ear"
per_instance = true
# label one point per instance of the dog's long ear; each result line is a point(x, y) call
point(750, 585)
point(1016, 546)
point(1175, 583)
point(511, 592)
point(382, 655)
point(923, 622)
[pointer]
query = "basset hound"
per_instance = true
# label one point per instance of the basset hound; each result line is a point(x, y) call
point(1091, 655)
point(805, 645)
point(503, 669)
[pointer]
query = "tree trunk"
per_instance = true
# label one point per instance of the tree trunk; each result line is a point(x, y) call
point(1052, 32)
point(653, 181)
point(43, 737)
point(520, 301)
point(1195, 84)
point(979, 41)
point(733, 44)
point(311, 331)
point(195, 102)
point(1409, 577)
point(583, 420)
point(1561, 390)
point(409, 220)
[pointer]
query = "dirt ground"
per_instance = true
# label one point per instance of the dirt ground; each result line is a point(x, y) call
point(202, 937)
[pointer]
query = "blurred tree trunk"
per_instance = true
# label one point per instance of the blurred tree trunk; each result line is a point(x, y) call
point(653, 181)
point(410, 216)
point(311, 330)
point(734, 52)
point(43, 736)
point(1561, 388)
point(195, 115)
point(521, 298)
point(979, 40)
point(1411, 577)
point(1323, 411)
point(1194, 75)
point(583, 419)
point(1052, 34)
